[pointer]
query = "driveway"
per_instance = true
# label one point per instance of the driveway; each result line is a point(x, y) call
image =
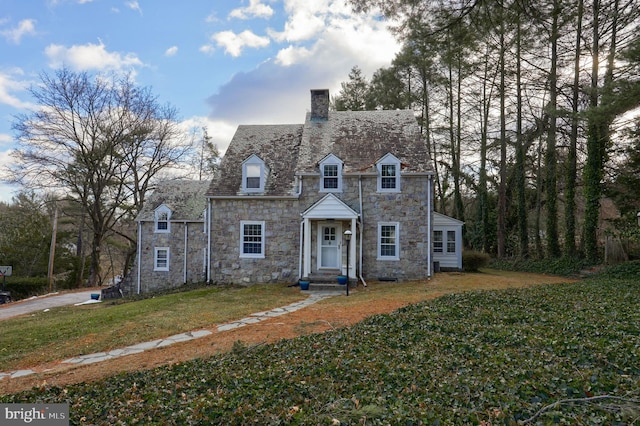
point(44, 302)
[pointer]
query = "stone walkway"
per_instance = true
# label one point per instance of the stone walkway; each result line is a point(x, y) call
point(183, 337)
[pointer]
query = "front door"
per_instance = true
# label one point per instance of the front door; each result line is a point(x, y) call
point(329, 245)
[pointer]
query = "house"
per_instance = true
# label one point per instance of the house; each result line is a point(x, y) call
point(447, 242)
point(285, 195)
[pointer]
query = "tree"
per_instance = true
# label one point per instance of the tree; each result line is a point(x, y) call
point(99, 140)
point(353, 93)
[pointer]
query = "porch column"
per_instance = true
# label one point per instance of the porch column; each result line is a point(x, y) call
point(352, 249)
point(306, 255)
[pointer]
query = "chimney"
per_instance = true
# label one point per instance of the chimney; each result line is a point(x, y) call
point(320, 105)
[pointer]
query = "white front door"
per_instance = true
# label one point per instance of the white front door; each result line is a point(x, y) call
point(329, 245)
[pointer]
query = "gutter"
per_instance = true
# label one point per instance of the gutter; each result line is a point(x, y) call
point(184, 256)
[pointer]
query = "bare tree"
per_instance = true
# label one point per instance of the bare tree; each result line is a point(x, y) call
point(101, 141)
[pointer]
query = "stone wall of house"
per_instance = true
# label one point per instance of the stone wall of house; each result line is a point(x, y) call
point(151, 280)
point(408, 208)
point(282, 241)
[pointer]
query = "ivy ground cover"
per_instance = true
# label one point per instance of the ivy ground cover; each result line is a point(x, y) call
point(553, 354)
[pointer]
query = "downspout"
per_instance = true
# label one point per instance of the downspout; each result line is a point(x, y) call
point(364, 283)
point(184, 265)
point(429, 230)
point(139, 256)
point(208, 256)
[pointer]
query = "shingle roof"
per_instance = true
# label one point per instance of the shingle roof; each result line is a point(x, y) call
point(276, 145)
point(358, 138)
point(185, 198)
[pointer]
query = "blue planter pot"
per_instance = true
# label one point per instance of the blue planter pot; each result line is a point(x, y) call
point(342, 279)
point(304, 285)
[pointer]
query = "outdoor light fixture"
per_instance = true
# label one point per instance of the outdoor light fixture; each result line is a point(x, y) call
point(347, 237)
point(638, 216)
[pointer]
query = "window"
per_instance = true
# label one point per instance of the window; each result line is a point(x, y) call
point(253, 174)
point(437, 242)
point(388, 241)
point(331, 174)
point(451, 241)
point(162, 217)
point(388, 174)
point(252, 239)
point(161, 259)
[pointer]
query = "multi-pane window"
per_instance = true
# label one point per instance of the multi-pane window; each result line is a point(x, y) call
point(388, 247)
point(437, 242)
point(330, 176)
point(451, 241)
point(162, 216)
point(252, 239)
point(161, 259)
point(388, 176)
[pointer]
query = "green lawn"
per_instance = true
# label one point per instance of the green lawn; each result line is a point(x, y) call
point(552, 354)
point(70, 331)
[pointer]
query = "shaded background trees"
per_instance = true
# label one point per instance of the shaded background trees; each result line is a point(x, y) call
point(523, 104)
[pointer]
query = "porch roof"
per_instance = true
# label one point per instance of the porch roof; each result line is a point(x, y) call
point(330, 207)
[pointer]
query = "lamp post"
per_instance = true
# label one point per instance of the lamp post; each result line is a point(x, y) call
point(638, 216)
point(347, 237)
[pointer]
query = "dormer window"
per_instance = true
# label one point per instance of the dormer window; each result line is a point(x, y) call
point(162, 219)
point(331, 174)
point(253, 174)
point(388, 174)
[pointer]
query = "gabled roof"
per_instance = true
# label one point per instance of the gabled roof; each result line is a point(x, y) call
point(185, 198)
point(361, 138)
point(276, 145)
point(330, 206)
point(358, 138)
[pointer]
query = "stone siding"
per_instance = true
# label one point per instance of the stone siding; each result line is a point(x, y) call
point(152, 280)
point(282, 241)
point(282, 232)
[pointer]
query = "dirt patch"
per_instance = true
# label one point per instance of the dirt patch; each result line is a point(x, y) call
point(317, 318)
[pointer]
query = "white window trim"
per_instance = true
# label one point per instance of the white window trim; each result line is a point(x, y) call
point(388, 159)
point(244, 255)
point(162, 209)
point(155, 258)
point(397, 242)
point(253, 160)
point(331, 160)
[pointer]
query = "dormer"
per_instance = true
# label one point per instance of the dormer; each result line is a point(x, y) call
point(388, 168)
point(162, 217)
point(254, 174)
point(331, 174)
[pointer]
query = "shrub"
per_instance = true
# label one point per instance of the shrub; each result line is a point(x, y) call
point(23, 287)
point(472, 261)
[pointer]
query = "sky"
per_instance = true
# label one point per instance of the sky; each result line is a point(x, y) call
point(221, 63)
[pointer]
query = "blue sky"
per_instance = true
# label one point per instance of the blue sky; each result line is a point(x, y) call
point(221, 63)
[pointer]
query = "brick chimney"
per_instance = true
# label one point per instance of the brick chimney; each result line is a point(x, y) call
point(320, 105)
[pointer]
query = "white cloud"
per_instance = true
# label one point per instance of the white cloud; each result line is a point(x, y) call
point(172, 51)
point(234, 43)
point(5, 140)
point(25, 27)
point(277, 91)
point(8, 85)
point(6, 191)
point(256, 9)
point(90, 57)
point(220, 132)
point(134, 5)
